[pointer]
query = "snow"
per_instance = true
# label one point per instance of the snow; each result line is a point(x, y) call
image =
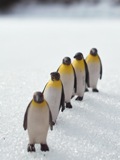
point(32, 48)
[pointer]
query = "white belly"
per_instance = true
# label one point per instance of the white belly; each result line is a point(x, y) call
point(53, 97)
point(94, 74)
point(80, 75)
point(68, 84)
point(38, 124)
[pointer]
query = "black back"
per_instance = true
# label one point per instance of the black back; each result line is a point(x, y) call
point(87, 74)
point(25, 116)
point(101, 68)
point(75, 80)
point(50, 118)
point(62, 102)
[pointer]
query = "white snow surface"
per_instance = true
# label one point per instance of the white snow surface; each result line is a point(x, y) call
point(32, 48)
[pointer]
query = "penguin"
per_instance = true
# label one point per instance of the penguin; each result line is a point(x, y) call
point(95, 68)
point(37, 119)
point(82, 75)
point(68, 78)
point(54, 95)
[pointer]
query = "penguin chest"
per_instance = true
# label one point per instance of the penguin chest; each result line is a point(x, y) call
point(79, 67)
point(68, 84)
point(80, 76)
point(53, 97)
point(94, 73)
point(38, 123)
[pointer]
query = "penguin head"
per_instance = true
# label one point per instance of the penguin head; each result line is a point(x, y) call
point(66, 61)
point(38, 97)
point(55, 76)
point(93, 52)
point(78, 56)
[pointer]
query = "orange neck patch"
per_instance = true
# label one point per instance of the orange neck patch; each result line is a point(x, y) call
point(79, 64)
point(92, 59)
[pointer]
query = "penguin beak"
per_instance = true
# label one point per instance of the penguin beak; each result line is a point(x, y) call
point(93, 51)
point(53, 78)
point(67, 62)
point(37, 98)
point(78, 57)
point(75, 56)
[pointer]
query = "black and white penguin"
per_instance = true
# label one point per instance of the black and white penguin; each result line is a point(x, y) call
point(37, 119)
point(54, 95)
point(68, 78)
point(82, 75)
point(95, 68)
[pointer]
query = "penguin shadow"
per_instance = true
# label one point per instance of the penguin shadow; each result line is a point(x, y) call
point(99, 108)
point(110, 95)
point(91, 127)
point(87, 111)
point(103, 93)
point(90, 121)
point(103, 111)
point(77, 104)
point(60, 146)
point(38, 154)
point(76, 130)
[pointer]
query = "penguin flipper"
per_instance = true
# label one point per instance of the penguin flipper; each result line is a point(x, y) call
point(62, 102)
point(44, 87)
point(25, 116)
point(50, 118)
point(75, 80)
point(87, 74)
point(58, 68)
point(101, 68)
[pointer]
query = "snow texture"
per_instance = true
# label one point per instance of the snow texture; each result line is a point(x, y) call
point(32, 48)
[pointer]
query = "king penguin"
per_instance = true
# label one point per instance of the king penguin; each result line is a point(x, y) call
point(68, 78)
point(95, 68)
point(37, 119)
point(54, 95)
point(82, 75)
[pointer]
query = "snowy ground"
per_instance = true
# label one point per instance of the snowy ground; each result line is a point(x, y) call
point(32, 48)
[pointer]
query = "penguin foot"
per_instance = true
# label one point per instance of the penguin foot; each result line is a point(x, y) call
point(68, 105)
point(95, 90)
point(72, 96)
point(44, 147)
point(79, 98)
point(63, 108)
point(31, 148)
point(86, 90)
point(53, 123)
